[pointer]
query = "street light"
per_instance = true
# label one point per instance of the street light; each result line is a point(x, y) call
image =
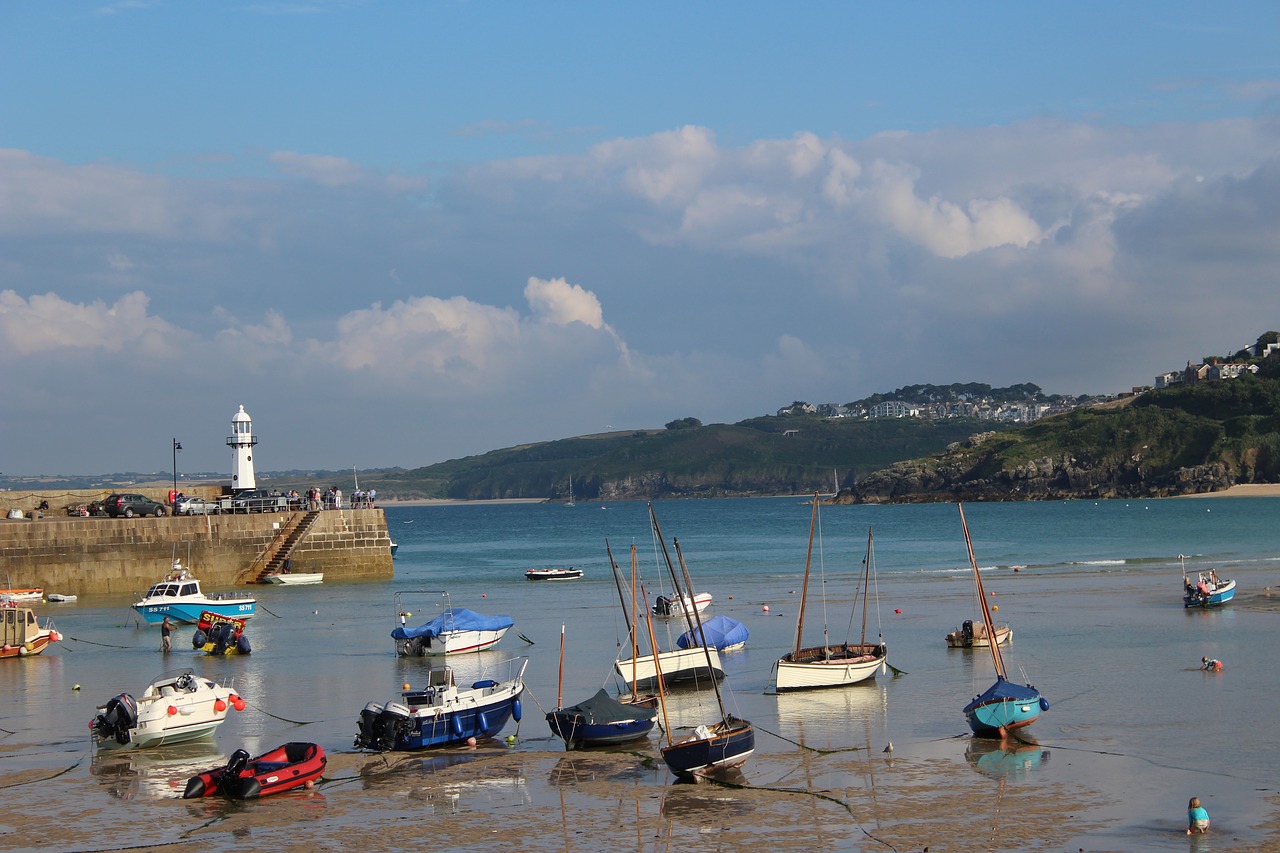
point(176, 447)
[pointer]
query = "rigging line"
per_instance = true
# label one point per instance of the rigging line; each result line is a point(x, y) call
point(264, 607)
point(806, 747)
point(831, 798)
point(92, 643)
point(281, 719)
point(63, 772)
point(535, 699)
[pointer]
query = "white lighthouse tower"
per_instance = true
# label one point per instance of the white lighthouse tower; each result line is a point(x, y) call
point(241, 442)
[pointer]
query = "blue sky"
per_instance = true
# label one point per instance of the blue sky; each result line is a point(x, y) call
point(399, 233)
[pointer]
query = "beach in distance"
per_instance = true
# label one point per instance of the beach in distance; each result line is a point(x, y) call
point(1091, 589)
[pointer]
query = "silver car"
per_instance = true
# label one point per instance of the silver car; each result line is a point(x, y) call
point(195, 506)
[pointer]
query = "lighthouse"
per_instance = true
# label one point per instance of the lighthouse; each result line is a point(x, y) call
point(241, 442)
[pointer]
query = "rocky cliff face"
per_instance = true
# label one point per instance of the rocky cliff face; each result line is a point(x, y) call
point(964, 473)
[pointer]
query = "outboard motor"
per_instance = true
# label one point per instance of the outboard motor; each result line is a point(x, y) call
point(966, 630)
point(381, 726)
point(118, 716)
point(221, 635)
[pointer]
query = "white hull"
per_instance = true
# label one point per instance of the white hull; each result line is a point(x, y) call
point(294, 578)
point(455, 643)
point(677, 665)
point(199, 707)
point(834, 672)
point(698, 603)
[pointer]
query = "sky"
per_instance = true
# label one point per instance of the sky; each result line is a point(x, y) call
point(402, 233)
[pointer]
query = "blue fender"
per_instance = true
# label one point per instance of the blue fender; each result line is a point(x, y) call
point(482, 723)
point(1044, 704)
point(456, 725)
point(517, 710)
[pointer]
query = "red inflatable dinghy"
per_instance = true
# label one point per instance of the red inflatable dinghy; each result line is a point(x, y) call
point(282, 769)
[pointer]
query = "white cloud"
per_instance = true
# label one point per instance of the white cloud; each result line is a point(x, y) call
point(556, 301)
point(48, 325)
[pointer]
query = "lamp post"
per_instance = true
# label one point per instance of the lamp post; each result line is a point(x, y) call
point(176, 447)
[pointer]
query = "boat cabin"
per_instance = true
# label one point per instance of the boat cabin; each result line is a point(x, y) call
point(439, 686)
point(174, 589)
point(19, 625)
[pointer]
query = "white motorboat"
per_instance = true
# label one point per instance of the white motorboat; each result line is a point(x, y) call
point(179, 597)
point(671, 607)
point(293, 578)
point(177, 706)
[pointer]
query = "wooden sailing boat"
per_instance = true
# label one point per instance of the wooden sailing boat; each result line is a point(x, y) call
point(678, 666)
point(725, 744)
point(600, 720)
point(1006, 705)
point(826, 665)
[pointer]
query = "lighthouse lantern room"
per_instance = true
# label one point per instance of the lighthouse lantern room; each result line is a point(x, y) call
point(241, 442)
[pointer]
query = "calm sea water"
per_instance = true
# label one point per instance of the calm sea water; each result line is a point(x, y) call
point(1092, 591)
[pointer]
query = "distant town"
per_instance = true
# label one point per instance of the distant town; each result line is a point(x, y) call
point(1023, 403)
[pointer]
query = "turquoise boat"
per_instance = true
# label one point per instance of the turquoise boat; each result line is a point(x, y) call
point(1005, 705)
point(179, 597)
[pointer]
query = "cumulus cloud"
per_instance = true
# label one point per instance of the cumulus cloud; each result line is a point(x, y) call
point(50, 325)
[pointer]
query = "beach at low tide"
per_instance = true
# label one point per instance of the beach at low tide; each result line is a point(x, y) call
point(1134, 730)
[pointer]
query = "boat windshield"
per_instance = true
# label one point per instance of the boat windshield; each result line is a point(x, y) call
point(188, 589)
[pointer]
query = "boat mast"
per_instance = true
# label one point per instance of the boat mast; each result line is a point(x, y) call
point(866, 581)
point(617, 582)
point(706, 650)
point(657, 663)
point(685, 607)
point(982, 599)
point(804, 590)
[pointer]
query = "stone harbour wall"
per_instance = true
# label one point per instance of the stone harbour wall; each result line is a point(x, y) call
point(83, 556)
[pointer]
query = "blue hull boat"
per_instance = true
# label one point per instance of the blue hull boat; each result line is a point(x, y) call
point(711, 748)
point(1004, 707)
point(178, 596)
point(441, 714)
point(601, 721)
point(1209, 590)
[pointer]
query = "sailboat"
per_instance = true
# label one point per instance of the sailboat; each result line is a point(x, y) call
point(600, 720)
point(680, 665)
point(827, 665)
point(726, 743)
point(570, 502)
point(1006, 705)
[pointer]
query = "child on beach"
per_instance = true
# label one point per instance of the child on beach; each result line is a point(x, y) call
point(1197, 817)
point(1210, 664)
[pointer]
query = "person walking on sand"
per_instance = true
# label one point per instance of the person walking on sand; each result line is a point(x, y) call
point(166, 635)
point(1197, 817)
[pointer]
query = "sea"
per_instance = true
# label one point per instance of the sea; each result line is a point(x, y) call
point(1092, 590)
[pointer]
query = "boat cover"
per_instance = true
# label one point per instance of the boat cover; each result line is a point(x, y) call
point(457, 619)
point(1003, 689)
point(721, 631)
point(602, 709)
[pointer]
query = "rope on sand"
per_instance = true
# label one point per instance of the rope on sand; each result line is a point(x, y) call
point(760, 728)
point(92, 643)
point(79, 761)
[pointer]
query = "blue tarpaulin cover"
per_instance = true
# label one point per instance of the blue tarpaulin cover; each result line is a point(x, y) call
point(720, 631)
point(1003, 689)
point(458, 619)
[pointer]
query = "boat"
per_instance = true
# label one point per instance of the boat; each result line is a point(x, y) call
point(293, 578)
point(1209, 590)
point(179, 597)
point(570, 502)
point(553, 574)
point(220, 635)
point(600, 720)
point(677, 666)
point(974, 636)
point(284, 768)
point(442, 714)
point(22, 634)
point(34, 595)
point(711, 749)
point(670, 607)
point(60, 598)
point(175, 707)
point(1006, 705)
point(395, 546)
point(722, 633)
point(831, 665)
point(455, 631)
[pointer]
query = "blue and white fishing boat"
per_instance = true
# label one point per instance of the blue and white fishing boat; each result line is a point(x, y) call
point(1209, 590)
point(721, 632)
point(180, 598)
point(455, 631)
point(442, 714)
point(1005, 705)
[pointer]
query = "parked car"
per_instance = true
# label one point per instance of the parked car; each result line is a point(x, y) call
point(131, 505)
point(195, 506)
point(258, 500)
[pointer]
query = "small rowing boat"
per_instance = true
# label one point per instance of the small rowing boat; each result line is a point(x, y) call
point(553, 574)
